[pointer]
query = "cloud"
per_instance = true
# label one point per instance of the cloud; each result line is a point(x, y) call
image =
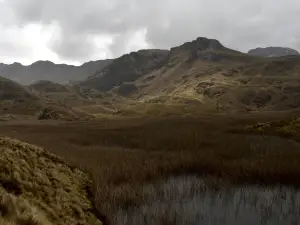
point(133, 24)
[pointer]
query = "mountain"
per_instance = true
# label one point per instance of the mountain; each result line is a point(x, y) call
point(204, 74)
point(223, 79)
point(203, 49)
point(46, 70)
point(273, 52)
point(126, 68)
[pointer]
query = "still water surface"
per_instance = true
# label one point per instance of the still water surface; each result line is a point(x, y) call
point(188, 201)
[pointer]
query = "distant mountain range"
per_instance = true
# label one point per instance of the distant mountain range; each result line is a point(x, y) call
point(273, 52)
point(139, 62)
point(46, 70)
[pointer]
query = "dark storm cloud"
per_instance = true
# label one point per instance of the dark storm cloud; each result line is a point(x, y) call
point(239, 24)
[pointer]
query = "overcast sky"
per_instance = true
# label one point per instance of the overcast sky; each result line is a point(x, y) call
point(75, 31)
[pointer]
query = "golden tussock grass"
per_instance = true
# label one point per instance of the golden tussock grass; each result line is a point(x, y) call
point(46, 182)
point(17, 211)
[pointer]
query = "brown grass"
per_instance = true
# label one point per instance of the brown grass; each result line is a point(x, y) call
point(17, 211)
point(123, 155)
point(46, 182)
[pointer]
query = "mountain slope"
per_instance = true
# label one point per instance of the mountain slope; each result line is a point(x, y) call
point(43, 100)
point(47, 86)
point(16, 99)
point(273, 52)
point(127, 68)
point(188, 64)
point(10, 90)
point(46, 70)
point(271, 84)
point(206, 74)
point(54, 93)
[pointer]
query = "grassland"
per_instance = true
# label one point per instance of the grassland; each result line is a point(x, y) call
point(124, 155)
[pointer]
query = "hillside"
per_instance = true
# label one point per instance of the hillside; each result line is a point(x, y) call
point(54, 93)
point(16, 99)
point(46, 70)
point(273, 52)
point(42, 100)
point(127, 68)
point(47, 86)
point(37, 187)
point(262, 85)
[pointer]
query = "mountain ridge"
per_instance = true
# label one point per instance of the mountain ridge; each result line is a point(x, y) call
point(205, 72)
point(202, 72)
point(273, 51)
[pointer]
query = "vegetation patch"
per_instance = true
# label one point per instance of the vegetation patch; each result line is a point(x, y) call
point(61, 113)
point(284, 127)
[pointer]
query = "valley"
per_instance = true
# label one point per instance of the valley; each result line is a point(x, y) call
point(125, 141)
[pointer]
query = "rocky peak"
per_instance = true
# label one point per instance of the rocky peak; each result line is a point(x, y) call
point(201, 44)
point(202, 48)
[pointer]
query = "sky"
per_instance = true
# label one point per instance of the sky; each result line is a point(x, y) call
point(76, 31)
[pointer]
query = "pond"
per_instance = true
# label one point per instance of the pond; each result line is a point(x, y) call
point(189, 201)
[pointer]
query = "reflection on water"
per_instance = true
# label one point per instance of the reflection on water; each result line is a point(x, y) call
point(188, 201)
